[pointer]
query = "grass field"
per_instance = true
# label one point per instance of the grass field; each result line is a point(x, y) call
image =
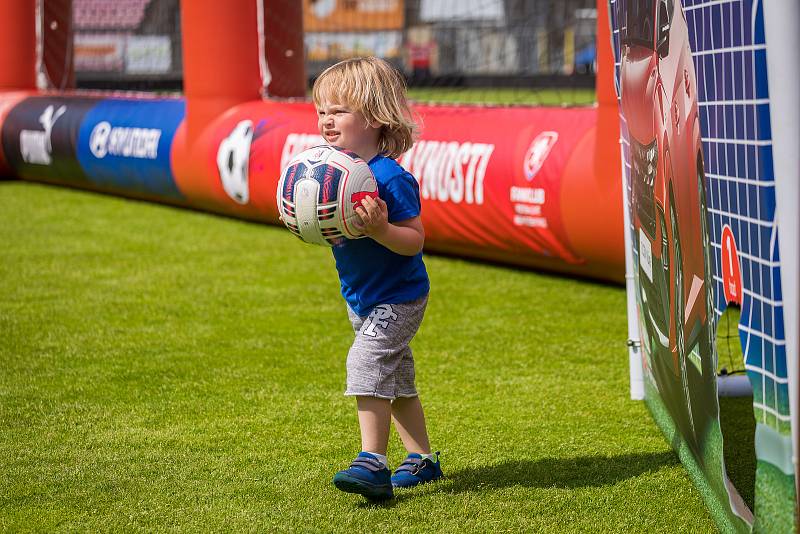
point(164, 369)
point(566, 96)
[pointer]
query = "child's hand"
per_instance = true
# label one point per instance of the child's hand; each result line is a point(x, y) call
point(374, 216)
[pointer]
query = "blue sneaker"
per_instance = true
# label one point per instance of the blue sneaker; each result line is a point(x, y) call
point(366, 476)
point(414, 470)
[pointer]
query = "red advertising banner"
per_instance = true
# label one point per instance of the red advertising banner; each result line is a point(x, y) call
point(516, 185)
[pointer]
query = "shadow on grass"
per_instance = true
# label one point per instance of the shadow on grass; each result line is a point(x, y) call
point(585, 471)
point(571, 473)
point(738, 427)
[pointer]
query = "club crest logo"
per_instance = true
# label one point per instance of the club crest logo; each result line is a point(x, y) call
point(537, 153)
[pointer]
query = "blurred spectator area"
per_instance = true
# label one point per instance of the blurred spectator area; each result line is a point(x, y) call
point(101, 15)
point(136, 44)
point(127, 44)
point(490, 43)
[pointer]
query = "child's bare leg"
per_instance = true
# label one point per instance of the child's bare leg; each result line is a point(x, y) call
point(409, 420)
point(374, 418)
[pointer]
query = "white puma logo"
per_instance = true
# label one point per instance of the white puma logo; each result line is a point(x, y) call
point(35, 145)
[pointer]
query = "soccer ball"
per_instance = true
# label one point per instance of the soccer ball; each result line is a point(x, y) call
point(319, 191)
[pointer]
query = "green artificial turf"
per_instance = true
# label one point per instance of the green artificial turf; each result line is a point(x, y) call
point(164, 369)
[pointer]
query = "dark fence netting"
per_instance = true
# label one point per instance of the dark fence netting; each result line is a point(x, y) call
point(522, 47)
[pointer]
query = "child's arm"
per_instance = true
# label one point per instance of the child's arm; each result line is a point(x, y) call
point(402, 237)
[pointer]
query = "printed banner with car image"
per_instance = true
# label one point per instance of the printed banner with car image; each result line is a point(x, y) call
point(695, 113)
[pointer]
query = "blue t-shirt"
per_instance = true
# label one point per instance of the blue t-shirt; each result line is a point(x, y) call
point(370, 273)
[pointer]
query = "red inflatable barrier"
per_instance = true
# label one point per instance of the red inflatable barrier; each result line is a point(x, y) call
point(510, 184)
point(7, 101)
point(536, 187)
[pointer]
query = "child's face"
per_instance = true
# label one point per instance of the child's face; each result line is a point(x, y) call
point(343, 127)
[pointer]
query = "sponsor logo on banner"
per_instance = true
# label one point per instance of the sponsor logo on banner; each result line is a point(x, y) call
point(36, 146)
point(537, 153)
point(40, 137)
point(447, 171)
point(125, 145)
point(123, 141)
point(529, 202)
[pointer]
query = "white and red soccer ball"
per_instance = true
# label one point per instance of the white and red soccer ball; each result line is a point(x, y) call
point(319, 191)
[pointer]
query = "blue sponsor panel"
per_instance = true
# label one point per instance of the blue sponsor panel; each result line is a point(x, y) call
point(124, 145)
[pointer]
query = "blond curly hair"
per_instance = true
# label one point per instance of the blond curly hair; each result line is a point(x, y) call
point(376, 89)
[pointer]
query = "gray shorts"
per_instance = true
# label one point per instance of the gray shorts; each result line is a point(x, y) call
point(380, 363)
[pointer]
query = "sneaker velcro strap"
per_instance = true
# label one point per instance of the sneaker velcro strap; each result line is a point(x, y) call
point(411, 464)
point(371, 464)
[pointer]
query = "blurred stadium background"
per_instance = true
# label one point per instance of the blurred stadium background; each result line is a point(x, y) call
point(526, 45)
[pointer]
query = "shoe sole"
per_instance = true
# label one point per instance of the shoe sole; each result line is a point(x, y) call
point(372, 492)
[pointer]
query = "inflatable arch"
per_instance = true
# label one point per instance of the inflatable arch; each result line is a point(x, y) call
point(537, 187)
